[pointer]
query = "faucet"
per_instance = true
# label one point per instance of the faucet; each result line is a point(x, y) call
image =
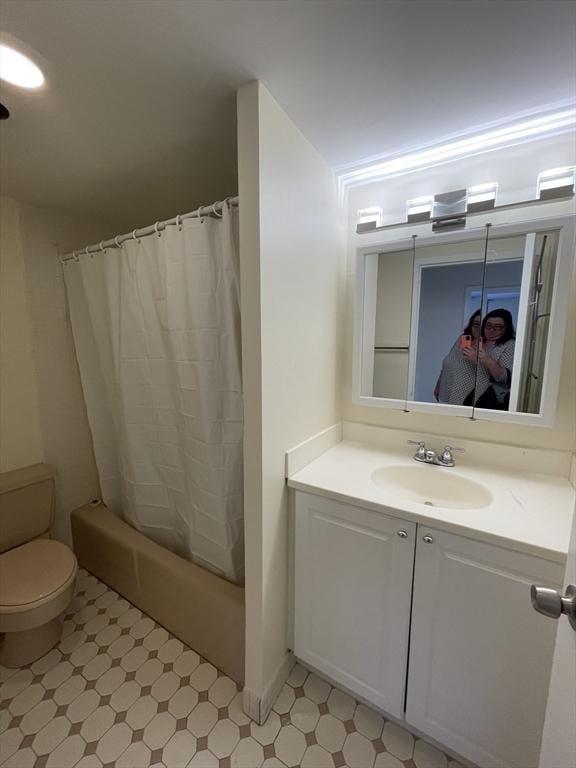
point(429, 456)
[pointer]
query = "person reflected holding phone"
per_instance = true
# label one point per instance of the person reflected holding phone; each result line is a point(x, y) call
point(458, 375)
point(478, 369)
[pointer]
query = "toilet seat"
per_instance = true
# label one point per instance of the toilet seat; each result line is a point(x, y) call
point(34, 574)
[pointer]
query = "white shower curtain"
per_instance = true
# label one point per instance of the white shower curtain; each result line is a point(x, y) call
point(156, 325)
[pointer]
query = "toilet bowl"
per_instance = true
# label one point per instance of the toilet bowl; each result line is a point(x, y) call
point(37, 574)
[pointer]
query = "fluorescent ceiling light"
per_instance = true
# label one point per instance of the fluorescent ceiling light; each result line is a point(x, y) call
point(513, 134)
point(18, 69)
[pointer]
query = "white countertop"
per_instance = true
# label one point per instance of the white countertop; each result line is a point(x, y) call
point(530, 512)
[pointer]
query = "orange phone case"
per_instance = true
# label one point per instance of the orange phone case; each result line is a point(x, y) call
point(465, 341)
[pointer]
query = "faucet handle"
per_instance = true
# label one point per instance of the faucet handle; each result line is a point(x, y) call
point(420, 451)
point(447, 457)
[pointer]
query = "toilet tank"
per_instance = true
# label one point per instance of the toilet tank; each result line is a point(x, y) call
point(27, 498)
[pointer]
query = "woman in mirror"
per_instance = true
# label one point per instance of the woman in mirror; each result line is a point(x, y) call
point(495, 361)
point(478, 369)
point(458, 375)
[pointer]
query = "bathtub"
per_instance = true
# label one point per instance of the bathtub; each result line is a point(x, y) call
point(204, 611)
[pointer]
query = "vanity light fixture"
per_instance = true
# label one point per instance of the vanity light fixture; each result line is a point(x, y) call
point(369, 218)
point(420, 208)
point(18, 69)
point(481, 197)
point(556, 182)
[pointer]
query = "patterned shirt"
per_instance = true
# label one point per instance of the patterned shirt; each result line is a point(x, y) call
point(458, 376)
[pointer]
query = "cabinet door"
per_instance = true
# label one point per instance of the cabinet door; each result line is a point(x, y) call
point(480, 656)
point(353, 582)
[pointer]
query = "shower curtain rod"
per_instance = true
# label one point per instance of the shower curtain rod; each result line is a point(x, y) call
point(116, 242)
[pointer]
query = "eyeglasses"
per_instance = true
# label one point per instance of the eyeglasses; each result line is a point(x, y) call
point(493, 327)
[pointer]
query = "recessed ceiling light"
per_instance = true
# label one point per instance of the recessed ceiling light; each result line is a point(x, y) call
point(18, 69)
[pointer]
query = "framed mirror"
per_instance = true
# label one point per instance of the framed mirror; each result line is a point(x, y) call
point(468, 323)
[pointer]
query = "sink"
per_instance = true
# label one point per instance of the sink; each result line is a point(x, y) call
point(432, 485)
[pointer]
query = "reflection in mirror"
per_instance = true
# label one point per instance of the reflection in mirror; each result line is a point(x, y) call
point(540, 296)
point(516, 303)
point(392, 324)
point(442, 325)
point(446, 325)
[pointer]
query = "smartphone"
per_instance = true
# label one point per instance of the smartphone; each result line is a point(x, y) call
point(465, 341)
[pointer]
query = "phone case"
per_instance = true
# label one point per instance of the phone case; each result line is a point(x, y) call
point(465, 341)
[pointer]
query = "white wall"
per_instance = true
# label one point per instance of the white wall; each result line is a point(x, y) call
point(20, 430)
point(516, 170)
point(56, 414)
point(292, 268)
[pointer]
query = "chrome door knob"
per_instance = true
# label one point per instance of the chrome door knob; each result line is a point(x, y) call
point(402, 533)
point(551, 603)
point(427, 539)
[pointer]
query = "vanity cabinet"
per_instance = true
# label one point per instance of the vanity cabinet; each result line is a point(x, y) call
point(480, 656)
point(353, 584)
point(377, 597)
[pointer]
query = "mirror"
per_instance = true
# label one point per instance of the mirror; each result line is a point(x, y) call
point(464, 323)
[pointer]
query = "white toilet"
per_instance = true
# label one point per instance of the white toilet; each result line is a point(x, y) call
point(37, 574)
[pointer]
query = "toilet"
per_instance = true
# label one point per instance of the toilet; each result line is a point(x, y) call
point(37, 574)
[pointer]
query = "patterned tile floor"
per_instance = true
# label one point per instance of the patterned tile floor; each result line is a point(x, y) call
point(120, 691)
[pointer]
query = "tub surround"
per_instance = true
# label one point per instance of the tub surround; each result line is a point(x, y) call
point(533, 499)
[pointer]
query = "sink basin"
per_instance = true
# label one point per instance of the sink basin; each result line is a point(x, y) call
point(432, 485)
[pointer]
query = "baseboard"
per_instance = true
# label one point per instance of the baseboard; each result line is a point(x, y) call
point(303, 453)
point(258, 707)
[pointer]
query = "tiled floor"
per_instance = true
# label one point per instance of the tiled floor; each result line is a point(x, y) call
point(121, 691)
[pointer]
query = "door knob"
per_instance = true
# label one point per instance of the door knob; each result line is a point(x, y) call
point(552, 604)
point(427, 539)
point(402, 533)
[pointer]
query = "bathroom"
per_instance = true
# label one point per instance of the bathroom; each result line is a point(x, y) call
point(246, 517)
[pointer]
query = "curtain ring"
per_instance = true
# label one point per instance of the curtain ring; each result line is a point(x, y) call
point(118, 244)
point(179, 222)
point(75, 256)
point(134, 236)
point(87, 252)
point(214, 211)
point(199, 212)
point(101, 246)
point(157, 230)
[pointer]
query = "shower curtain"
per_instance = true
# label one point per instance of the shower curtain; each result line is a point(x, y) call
point(156, 326)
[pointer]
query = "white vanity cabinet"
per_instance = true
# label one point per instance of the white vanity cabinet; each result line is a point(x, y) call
point(377, 597)
point(480, 656)
point(353, 584)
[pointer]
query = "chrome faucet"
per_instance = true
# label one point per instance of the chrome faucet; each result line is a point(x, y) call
point(429, 456)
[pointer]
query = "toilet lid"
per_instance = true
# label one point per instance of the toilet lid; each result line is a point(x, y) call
point(34, 571)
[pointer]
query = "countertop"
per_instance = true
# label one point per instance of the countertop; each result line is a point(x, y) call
point(530, 512)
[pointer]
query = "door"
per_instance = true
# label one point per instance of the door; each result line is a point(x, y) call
point(559, 738)
point(480, 656)
point(353, 582)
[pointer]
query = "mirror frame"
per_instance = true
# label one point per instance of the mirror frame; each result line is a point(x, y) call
point(521, 221)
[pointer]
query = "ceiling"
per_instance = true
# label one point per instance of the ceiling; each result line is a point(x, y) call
point(137, 121)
